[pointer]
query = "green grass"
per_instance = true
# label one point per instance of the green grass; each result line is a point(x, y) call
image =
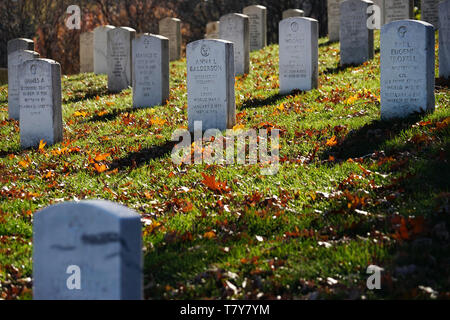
point(380, 195)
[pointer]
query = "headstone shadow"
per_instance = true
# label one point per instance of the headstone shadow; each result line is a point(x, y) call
point(261, 102)
point(337, 69)
point(369, 138)
point(111, 115)
point(441, 83)
point(144, 156)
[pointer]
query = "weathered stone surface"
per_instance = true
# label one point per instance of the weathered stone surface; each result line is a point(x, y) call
point(380, 4)
point(444, 39)
point(171, 29)
point(15, 60)
point(20, 44)
point(334, 16)
point(257, 25)
point(430, 12)
point(210, 84)
point(120, 58)
point(40, 102)
point(101, 49)
point(407, 68)
point(150, 70)
point(234, 27)
point(88, 250)
point(87, 52)
point(299, 54)
point(356, 39)
point(398, 10)
point(291, 13)
point(212, 30)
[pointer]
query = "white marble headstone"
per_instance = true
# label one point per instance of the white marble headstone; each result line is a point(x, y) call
point(150, 70)
point(171, 29)
point(258, 26)
point(87, 250)
point(380, 15)
point(407, 68)
point(334, 14)
point(40, 102)
point(299, 54)
point(15, 59)
point(444, 39)
point(20, 44)
point(234, 27)
point(398, 10)
point(120, 58)
point(212, 30)
point(101, 49)
point(87, 52)
point(356, 39)
point(291, 13)
point(210, 84)
point(429, 12)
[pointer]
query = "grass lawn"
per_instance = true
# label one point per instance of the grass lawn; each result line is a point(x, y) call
point(351, 190)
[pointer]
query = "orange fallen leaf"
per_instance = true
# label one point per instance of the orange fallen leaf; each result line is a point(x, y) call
point(100, 168)
point(101, 157)
point(209, 235)
point(332, 142)
point(42, 145)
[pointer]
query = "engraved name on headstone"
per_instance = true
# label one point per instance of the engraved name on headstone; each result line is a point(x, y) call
point(40, 102)
point(407, 68)
point(234, 27)
point(299, 53)
point(210, 84)
point(150, 70)
point(120, 58)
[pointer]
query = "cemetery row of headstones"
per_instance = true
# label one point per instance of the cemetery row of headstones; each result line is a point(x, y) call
point(389, 11)
point(143, 63)
point(92, 250)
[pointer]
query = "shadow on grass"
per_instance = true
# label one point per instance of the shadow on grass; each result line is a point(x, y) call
point(164, 265)
point(257, 103)
point(5, 153)
point(144, 156)
point(442, 83)
point(337, 69)
point(82, 96)
point(111, 115)
point(328, 43)
point(369, 138)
